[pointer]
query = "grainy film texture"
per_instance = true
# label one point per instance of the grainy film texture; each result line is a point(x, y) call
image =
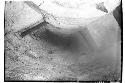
point(63, 40)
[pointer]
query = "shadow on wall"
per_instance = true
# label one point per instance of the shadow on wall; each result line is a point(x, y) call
point(118, 15)
point(61, 41)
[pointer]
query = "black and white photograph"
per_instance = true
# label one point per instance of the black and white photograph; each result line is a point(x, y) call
point(63, 41)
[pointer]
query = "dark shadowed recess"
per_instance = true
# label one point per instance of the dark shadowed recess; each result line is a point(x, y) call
point(118, 15)
point(59, 40)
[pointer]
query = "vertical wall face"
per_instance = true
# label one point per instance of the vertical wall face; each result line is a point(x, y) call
point(105, 33)
point(105, 30)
